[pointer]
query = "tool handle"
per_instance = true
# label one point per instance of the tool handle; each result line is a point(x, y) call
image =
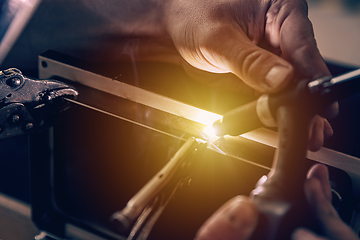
point(280, 199)
point(126, 217)
point(238, 121)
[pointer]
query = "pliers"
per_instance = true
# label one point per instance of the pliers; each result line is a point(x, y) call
point(28, 105)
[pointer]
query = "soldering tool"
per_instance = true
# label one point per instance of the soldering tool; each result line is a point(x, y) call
point(311, 96)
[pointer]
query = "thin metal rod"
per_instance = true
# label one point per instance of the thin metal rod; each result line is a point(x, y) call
point(122, 118)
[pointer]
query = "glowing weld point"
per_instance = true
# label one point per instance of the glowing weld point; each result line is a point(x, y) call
point(210, 134)
point(209, 131)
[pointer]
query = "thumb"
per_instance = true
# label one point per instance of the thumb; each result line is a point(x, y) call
point(225, 48)
point(262, 70)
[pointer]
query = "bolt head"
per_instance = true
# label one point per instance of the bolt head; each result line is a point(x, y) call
point(14, 82)
point(29, 126)
point(15, 118)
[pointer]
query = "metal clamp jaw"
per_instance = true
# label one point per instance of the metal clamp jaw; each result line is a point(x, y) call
point(29, 105)
point(142, 210)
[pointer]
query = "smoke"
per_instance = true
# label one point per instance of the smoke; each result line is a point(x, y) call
point(131, 49)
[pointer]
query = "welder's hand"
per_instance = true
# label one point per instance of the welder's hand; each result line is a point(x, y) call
point(266, 44)
point(318, 194)
point(236, 219)
point(260, 45)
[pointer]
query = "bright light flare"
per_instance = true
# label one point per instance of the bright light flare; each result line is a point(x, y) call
point(210, 132)
point(206, 118)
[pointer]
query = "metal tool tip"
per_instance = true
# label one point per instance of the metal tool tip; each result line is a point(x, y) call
point(218, 128)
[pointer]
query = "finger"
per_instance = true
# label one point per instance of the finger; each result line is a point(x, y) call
point(316, 134)
point(321, 173)
point(226, 48)
point(320, 129)
point(235, 220)
point(330, 221)
point(304, 234)
point(289, 28)
point(260, 69)
point(328, 131)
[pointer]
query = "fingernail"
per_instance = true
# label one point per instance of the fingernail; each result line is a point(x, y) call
point(277, 75)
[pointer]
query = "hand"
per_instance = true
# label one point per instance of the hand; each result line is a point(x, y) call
point(257, 46)
point(266, 44)
point(236, 219)
point(261, 45)
point(318, 194)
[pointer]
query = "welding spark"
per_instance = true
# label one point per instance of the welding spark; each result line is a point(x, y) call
point(209, 133)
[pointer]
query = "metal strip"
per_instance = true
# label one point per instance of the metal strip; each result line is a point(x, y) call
point(126, 91)
point(262, 136)
point(123, 118)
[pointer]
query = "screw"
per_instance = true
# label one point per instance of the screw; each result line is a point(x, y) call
point(45, 97)
point(14, 82)
point(15, 118)
point(29, 126)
